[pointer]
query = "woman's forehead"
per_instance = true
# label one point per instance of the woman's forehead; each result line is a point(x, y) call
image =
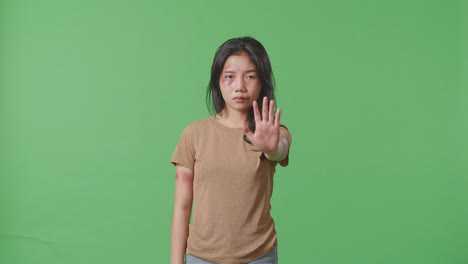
point(239, 62)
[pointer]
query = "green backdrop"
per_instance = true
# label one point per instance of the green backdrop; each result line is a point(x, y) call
point(95, 93)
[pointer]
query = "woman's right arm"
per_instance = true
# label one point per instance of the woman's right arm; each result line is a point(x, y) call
point(182, 211)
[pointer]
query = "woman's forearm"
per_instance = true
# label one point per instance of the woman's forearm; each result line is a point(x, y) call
point(179, 234)
point(183, 199)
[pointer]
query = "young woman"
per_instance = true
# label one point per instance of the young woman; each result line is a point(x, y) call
point(225, 164)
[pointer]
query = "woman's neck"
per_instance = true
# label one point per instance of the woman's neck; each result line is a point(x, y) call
point(232, 119)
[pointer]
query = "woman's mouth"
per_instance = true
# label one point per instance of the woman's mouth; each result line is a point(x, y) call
point(240, 99)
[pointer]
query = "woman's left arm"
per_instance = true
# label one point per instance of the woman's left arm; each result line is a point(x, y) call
point(281, 152)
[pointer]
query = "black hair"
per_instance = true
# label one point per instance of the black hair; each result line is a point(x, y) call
point(259, 57)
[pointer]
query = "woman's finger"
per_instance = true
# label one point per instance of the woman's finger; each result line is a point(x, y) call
point(271, 117)
point(248, 133)
point(256, 112)
point(265, 109)
point(277, 118)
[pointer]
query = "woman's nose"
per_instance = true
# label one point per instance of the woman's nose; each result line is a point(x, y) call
point(240, 85)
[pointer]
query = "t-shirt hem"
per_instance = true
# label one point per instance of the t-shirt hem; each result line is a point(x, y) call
point(258, 254)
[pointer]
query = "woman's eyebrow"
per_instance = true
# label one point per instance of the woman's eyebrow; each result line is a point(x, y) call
point(247, 71)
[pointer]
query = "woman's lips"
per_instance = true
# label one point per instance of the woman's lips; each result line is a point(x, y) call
point(240, 99)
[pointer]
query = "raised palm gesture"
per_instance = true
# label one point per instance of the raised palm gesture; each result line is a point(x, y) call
point(267, 133)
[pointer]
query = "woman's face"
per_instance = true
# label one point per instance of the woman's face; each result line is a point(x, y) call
point(240, 83)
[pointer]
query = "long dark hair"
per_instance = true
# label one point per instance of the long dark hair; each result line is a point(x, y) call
point(259, 57)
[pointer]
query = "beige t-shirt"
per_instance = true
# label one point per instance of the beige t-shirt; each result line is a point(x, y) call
point(232, 188)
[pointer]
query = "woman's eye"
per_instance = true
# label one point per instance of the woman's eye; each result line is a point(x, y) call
point(251, 77)
point(228, 77)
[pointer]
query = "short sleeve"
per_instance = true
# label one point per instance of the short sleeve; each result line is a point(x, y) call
point(184, 153)
point(284, 132)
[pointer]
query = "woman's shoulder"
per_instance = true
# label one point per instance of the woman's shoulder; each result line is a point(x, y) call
point(198, 125)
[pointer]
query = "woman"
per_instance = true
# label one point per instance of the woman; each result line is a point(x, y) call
point(225, 164)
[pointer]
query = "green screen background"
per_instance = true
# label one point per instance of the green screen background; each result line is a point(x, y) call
point(95, 94)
